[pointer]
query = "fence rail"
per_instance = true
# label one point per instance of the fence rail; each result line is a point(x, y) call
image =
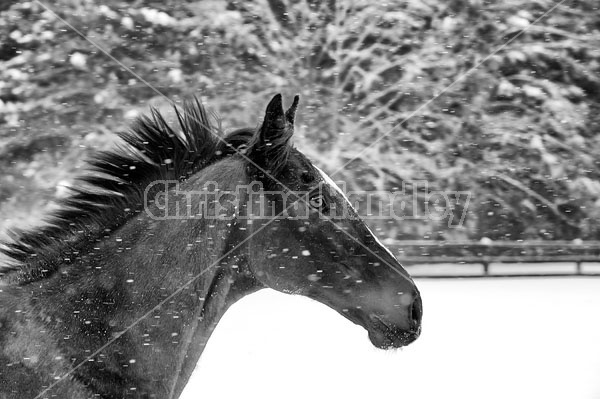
point(424, 258)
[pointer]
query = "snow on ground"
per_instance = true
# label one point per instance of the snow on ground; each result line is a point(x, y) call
point(482, 339)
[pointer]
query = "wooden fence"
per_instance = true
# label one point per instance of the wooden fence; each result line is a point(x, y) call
point(499, 258)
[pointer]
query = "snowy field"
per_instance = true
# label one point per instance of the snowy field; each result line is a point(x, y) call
point(482, 339)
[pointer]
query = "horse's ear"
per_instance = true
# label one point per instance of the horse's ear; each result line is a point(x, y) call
point(269, 147)
point(290, 114)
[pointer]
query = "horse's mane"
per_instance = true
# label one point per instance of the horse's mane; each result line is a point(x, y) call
point(105, 199)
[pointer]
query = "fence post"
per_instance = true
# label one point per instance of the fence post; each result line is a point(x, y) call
point(486, 268)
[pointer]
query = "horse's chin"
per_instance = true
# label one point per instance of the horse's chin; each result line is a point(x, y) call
point(385, 337)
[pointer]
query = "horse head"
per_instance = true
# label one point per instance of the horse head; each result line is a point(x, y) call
point(305, 238)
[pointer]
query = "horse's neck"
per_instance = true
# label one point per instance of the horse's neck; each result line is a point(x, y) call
point(150, 294)
point(157, 283)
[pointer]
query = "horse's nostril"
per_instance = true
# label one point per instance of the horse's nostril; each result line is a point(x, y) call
point(417, 312)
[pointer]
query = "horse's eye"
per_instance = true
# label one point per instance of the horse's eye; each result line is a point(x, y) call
point(317, 201)
point(307, 177)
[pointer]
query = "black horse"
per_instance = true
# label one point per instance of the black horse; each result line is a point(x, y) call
point(118, 294)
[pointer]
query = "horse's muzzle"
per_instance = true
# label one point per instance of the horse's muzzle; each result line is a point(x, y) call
point(385, 335)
